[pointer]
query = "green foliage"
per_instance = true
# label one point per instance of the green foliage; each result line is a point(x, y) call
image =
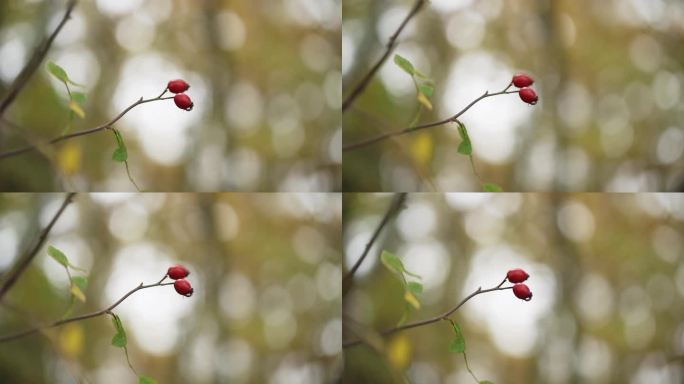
point(466, 147)
point(61, 258)
point(146, 380)
point(119, 339)
point(120, 153)
point(411, 288)
point(404, 64)
point(78, 285)
point(457, 344)
point(491, 187)
point(425, 87)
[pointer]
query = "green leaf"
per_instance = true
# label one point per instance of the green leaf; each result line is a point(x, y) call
point(457, 345)
point(424, 101)
point(59, 72)
point(58, 255)
point(411, 299)
point(404, 64)
point(415, 287)
point(146, 380)
point(427, 90)
point(78, 97)
point(491, 187)
point(120, 153)
point(392, 262)
point(486, 382)
point(75, 108)
point(77, 293)
point(466, 147)
point(80, 281)
point(119, 339)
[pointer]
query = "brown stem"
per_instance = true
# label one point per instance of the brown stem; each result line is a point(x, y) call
point(404, 131)
point(391, 44)
point(84, 316)
point(393, 208)
point(84, 132)
point(33, 64)
point(24, 262)
point(443, 316)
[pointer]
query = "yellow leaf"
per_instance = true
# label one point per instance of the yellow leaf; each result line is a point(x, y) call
point(76, 291)
point(422, 148)
point(69, 158)
point(408, 296)
point(71, 340)
point(76, 109)
point(424, 100)
point(399, 352)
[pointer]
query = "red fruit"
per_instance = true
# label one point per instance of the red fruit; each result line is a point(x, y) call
point(521, 80)
point(517, 276)
point(521, 291)
point(183, 287)
point(178, 272)
point(178, 86)
point(528, 95)
point(183, 101)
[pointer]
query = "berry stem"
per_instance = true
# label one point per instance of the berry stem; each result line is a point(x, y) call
point(101, 312)
point(443, 316)
point(404, 131)
point(84, 132)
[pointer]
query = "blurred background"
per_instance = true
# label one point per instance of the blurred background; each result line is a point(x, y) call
point(265, 269)
point(265, 80)
point(609, 75)
point(606, 273)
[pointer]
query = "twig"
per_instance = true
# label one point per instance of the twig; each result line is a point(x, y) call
point(82, 317)
point(393, 208)
point(33, 64)
point(22, 264)
point(404, 131)
point(84, 132)
point(391, 44)
point(443, 316)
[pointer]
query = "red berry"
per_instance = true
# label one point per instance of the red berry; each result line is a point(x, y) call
point(183, 287)
point(183, 101)
point(528, 95)
point(178, 272)
point(521, 80)
point(178, 86)
point(517, 275)
point(521, 291)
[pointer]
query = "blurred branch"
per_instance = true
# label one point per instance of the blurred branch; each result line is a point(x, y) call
point(404, 131)
point(29, 148)
point(37, 58)
point(85, 316)
point(443, 316)
point(392, 210)
point(24, 262)
point(391, 44)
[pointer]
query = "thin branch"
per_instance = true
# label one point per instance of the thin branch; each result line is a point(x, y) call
point(24, 262)
point(391, 44)
point(392, 210)
point(443, 316)
point(404, 131)
point(84, 316)
point(84, 132)
point(33, 64)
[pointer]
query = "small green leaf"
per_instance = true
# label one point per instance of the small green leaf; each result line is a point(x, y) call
point(491, 187)
point(120, 153)
point(411, 299)
point(80, 281)
point(486, 382)
point(58, 255)
point(392, 262)
point(415, 287)
point(59, 72)
point(427, 90)
point(77, 293)
point(78, 97)
point(404, 64)
point(75, 108)
point(424, 101)
point(457, 345)
point(146, 380)
point(466, 147)
point(119, 339)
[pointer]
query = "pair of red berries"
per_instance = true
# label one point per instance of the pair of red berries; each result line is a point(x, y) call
point(521, 291)
point(181, 99)
point(526, 94)
point(179, 273)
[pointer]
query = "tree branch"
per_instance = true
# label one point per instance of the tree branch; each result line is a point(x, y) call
point(29, 148)
point(443, 316)
point(404, 131)
point(392, 210)
point(24, 262)
point(391, 44)
point(84, 316)
point(33, 64)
